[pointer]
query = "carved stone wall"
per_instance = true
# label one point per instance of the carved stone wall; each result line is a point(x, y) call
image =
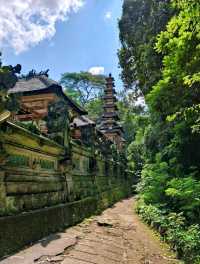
point(30, 176)
point(42, 190)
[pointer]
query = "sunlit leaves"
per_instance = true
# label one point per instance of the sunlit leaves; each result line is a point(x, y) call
point(140, 23)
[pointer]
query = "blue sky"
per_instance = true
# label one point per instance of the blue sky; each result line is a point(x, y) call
point(88, 38)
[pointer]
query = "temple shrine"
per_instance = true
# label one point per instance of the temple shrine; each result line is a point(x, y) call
point(57, 166)
point(37, 92)
point(109, 121)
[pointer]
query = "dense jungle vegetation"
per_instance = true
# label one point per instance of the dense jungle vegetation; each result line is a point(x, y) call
point(8, 79)
point(160, 60)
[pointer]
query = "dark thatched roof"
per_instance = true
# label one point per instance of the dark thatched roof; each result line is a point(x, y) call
point(35, 83)
point(42, 84)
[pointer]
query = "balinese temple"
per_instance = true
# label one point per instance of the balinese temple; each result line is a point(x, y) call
point(110, 119)
point(37, 92)
point(82, 129)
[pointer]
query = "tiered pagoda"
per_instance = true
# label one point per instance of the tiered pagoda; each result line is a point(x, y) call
point(109, 121)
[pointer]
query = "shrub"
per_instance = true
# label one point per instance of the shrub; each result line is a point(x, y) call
point(183, 239)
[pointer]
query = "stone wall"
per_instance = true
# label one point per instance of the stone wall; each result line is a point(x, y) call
point(30, 176)
point(42, 190)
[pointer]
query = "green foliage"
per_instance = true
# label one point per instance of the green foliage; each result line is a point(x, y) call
point(152, 215)
point(94, 108)
point(141, 21)
point(184, 240)
point(134, 119)
point(83, 87)
point(179, 45)
point(185, 195)
point(31, 126)
point(174, 106)
point(170, 181)
point(8, 79)
point(135, 150)
point(87, 90)
point(154, 180)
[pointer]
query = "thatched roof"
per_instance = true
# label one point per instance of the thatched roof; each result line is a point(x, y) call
point(38, 84)
point(35, 83)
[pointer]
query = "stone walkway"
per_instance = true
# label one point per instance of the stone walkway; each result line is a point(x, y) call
point(117, 236)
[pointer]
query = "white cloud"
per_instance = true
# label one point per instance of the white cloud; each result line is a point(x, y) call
point(108, 15)
point(24, 23)
point(97, 70)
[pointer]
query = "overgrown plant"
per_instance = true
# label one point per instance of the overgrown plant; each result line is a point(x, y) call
point(170, 178)
point(8, 79)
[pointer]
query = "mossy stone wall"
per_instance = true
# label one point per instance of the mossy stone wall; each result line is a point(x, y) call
point(42, 191)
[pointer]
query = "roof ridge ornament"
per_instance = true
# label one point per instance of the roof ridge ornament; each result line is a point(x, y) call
point(33, 73)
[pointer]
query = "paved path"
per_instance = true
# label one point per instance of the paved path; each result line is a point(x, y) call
point(115, 237)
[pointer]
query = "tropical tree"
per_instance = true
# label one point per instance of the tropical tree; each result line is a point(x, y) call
point(141, 21)
point(169, 188)
point(84, 87)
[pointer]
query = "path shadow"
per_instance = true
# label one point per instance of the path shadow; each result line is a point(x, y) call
point(49, 239)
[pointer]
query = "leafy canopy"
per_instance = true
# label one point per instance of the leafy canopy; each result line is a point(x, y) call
point(8, 79)
point(141, 21)
point(83, 87)
point(160, 55)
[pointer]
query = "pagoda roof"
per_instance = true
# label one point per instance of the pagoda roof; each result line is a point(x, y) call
point(110, 97)
point(110, 115)
point(83, 121)
point(110, 78)
point(111, 125)
point(112, 130)
point(109, 105)
point(110, 91)
point(114, 126)
point(101, 134)
point(40, 83)
point(110, 84)
point(123, 139)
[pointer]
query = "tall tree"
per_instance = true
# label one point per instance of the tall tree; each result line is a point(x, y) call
point(170, 178)
point(84, 86)
point(141, 21)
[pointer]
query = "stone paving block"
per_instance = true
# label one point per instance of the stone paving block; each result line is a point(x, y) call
point(110, 238)
point(50, 246)
point(99, 251)
point(105, 242)
point(104, 245)
point(91, 258)
point(96, 245)
point(130, 242)
point(69, 260)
